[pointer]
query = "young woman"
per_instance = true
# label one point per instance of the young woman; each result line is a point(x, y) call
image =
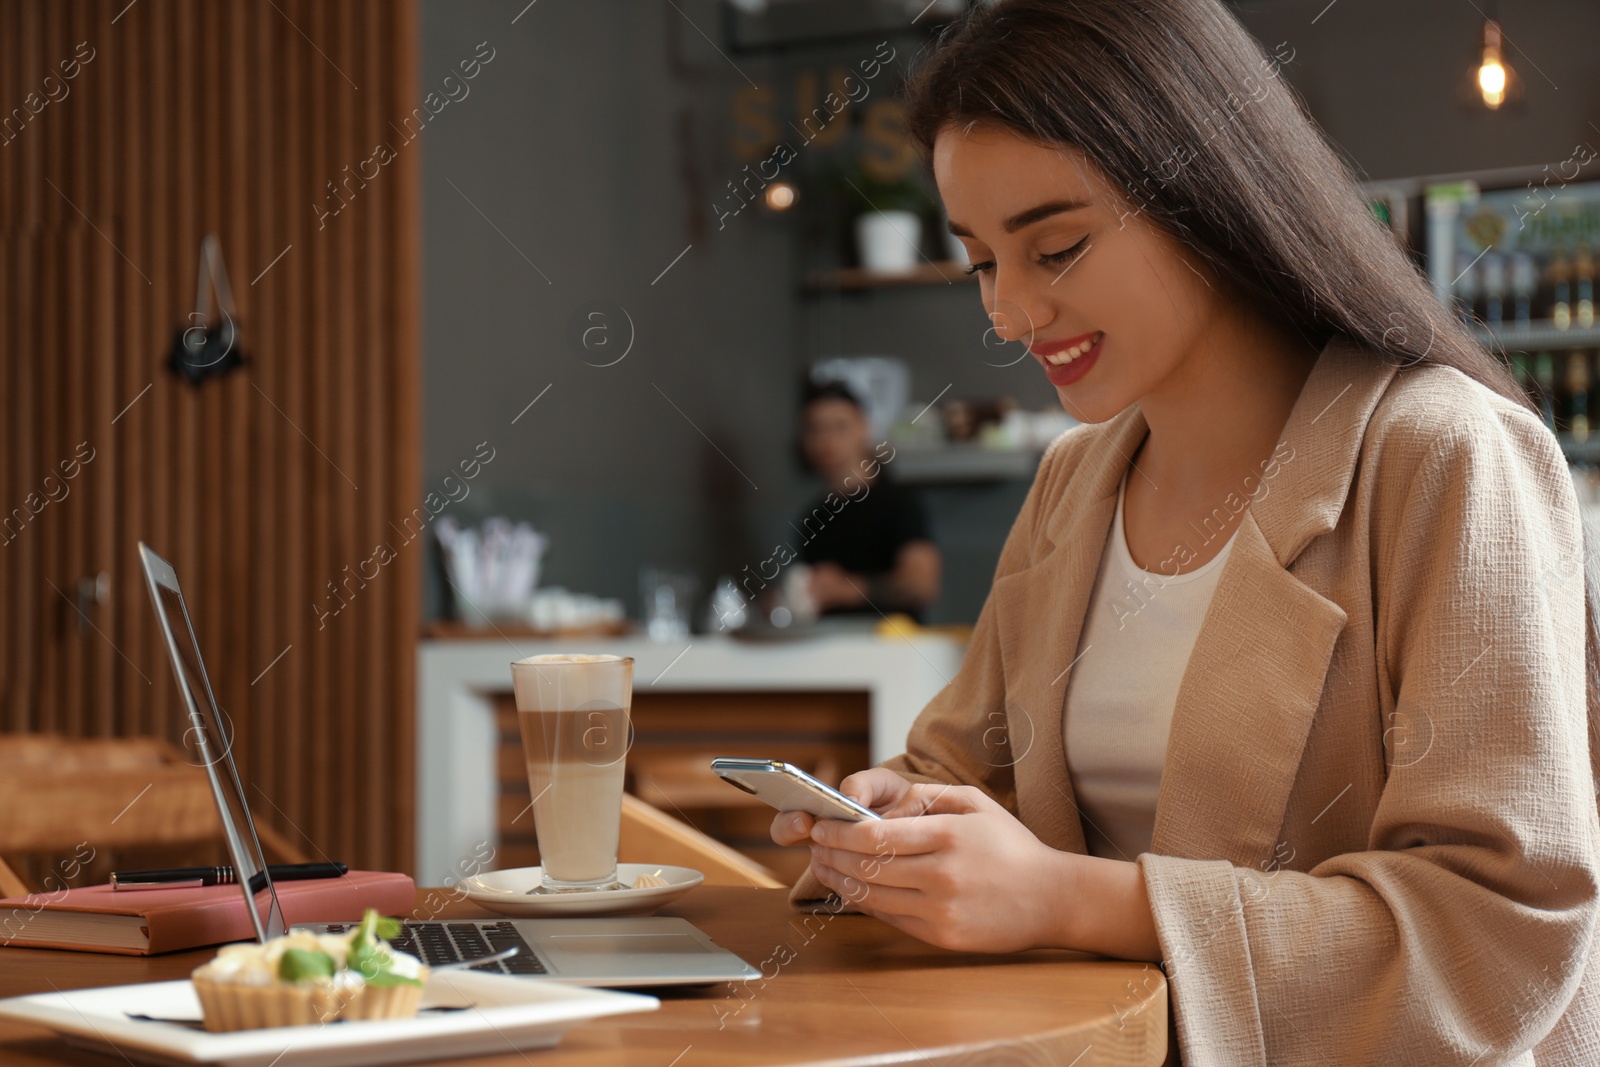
point(1286, 674)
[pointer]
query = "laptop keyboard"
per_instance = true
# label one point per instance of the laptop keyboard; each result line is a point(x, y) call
point(439, 942)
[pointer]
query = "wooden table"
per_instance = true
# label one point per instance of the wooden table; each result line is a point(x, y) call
point(843, 989)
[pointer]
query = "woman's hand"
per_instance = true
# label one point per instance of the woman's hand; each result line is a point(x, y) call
point(877, 788)
point(950, 866)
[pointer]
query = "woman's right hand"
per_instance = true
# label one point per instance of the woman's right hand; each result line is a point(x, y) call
point(877, 788)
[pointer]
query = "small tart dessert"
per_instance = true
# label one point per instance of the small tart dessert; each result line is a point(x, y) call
point(303, 979)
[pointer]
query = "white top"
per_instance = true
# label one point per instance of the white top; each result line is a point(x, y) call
point(1136, 639)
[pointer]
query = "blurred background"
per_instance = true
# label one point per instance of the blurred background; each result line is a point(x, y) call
point(424, 335)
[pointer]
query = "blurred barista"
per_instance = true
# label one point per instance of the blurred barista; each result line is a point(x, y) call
point(866, 541)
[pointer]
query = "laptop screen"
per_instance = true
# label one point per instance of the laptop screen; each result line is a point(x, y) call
point(213, 743)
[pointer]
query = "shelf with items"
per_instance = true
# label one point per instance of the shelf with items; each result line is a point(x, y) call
point(1512, 252)
point(973, 441)
point(956, 464)
point(1555, 367)
point(1585, 451)
point(1518, 263)
point(1537, 335)
point(1559, 383)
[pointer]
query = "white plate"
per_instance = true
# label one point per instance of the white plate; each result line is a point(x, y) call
point(507, 892)
point(507, 1014)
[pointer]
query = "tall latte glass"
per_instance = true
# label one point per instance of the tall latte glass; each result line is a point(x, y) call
point(573, 710)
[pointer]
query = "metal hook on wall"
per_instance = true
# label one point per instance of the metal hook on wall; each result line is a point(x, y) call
point(202, 350)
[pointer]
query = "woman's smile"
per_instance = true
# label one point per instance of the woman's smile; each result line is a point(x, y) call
point(1066, 361)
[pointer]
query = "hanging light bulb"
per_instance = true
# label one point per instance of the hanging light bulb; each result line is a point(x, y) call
point(780, 196)
point(1493, 77)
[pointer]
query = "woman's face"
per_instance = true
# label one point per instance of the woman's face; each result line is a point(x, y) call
point(1109, 306)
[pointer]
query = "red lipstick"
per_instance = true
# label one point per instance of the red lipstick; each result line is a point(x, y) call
point(1087, 351)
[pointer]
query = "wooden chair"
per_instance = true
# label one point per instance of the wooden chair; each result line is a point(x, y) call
point(66, 798)
point(685, 780)
point(11, 883)
point(650, 835)
point(683, 783)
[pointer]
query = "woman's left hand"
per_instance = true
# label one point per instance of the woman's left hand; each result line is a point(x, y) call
point(950, 866)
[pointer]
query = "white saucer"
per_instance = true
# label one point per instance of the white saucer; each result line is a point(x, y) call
point(507, 892)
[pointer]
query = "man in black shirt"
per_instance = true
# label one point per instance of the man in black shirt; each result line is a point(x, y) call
point(867, 540)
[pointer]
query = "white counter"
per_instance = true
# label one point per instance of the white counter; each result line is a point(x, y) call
point(456, 734)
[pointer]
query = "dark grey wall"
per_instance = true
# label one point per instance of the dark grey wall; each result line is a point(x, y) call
point(1383, 78)
point(568, 146)
point(595, 142)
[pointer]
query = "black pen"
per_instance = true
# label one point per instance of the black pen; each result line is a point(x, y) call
point(194, 877)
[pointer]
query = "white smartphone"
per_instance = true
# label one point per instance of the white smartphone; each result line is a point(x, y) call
point(788, 788)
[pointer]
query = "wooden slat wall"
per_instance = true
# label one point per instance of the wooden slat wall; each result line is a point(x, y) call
point(225, 116)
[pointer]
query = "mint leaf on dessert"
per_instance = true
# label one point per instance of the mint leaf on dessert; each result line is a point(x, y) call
point(375, 927)
point(373, 963)
point(388, 978)
point(304, 965)
point(370, 957)
point(366, 931)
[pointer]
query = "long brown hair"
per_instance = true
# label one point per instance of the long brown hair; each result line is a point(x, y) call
point(1184, 111)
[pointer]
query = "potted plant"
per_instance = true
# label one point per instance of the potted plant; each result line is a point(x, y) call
point(886, 218)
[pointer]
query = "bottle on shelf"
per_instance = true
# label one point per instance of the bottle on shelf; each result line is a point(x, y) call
point(1524, 284)
point(1494, 289)
point(1560, 289)
point(1544, 376)
point(1583, 275)
point(1578, 395)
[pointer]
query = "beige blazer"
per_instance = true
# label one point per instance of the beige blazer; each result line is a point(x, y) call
point(1376, 834)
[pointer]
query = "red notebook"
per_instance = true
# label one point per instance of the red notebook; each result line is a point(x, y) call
point(147, 921)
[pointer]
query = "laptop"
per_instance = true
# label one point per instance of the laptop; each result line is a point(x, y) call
point(642, 951)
